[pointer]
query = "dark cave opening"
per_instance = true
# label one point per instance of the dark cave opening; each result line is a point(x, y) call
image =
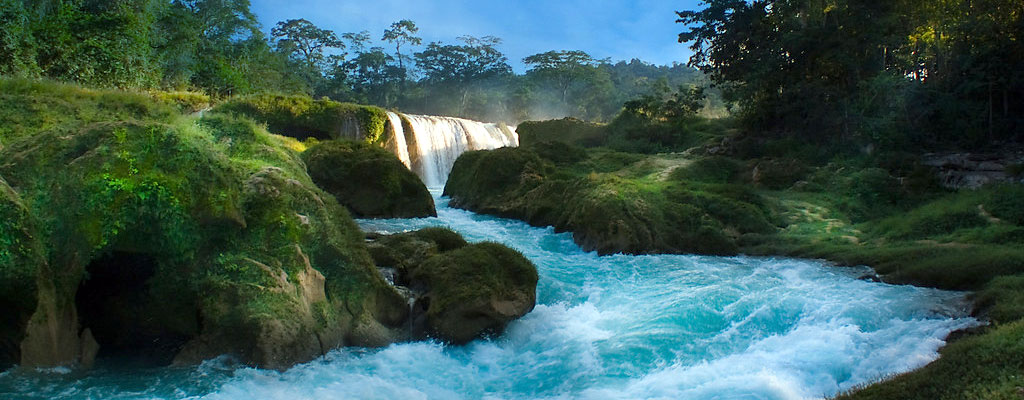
point(130, 323)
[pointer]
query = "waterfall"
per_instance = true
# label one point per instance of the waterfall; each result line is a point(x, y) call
point(432, 145)
point(401, 149)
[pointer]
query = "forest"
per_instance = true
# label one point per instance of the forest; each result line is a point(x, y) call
point(892, 74)
point(218, 47)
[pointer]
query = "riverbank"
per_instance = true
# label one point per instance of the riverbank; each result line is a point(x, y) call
point(910, 229)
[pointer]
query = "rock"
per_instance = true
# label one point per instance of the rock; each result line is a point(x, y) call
point(457, 291)
point(368, 180)
point(21, 258)
point(302, 117)
point(606, 212)
point(182, 243)
point(476, 290)
point(972, 170)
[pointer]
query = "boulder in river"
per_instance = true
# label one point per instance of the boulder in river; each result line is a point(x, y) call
point(459, 291)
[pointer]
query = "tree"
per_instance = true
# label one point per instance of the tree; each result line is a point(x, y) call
point(400, 33)
point(17, 45)
point(372, 75)
point(476, 63)
point(477, 58)
point(564, 68)
point(357, 41)
point(306, 42)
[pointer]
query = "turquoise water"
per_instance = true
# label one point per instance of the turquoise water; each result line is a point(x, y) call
point(617, 327)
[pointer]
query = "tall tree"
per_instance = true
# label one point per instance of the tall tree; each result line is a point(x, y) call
point(306, 41)
point(562, 68)
point(475, 59)
point(401, 33)
point(357, 41)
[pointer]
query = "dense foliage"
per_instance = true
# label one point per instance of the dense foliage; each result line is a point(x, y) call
point(891, 73)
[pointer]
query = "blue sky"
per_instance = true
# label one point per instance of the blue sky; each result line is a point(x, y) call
point(618, 29)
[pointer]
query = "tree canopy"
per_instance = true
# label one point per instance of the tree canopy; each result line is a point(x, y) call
point(890, 73)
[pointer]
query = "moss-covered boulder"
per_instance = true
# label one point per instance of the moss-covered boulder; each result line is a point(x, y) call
point(476, 290)
point(368, 180)
point(303, 117)
point(176, 240)
point(612, 202)
point(460, 291)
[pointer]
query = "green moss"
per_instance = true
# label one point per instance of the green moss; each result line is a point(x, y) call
point(445, 239)
point(302, 117)
point(226, 208)
point(28, 107)
point(713, 169)
point(466, 283)
point(612, 201)
point(368, 180)
point(21, 256)
point(406, 251)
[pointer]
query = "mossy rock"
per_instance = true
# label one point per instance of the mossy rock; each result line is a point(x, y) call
point(476, 290)
point(218, 223)
point(21, 256)
point(406, 251)
point(567, 130)
point(608, 200)
point(368, 180)
point(460, 291)
point(303, 117)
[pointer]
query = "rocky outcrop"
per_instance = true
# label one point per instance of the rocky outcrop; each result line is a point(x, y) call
point(21, 259)
point(458, 291)
point(368, 180)
point(212, 230)
point(606, 209)
point(974, 170)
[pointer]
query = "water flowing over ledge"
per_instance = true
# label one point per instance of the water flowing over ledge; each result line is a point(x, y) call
point(615, 327)
point(429, 145)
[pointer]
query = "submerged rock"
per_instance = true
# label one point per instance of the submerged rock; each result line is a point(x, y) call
point(368, 180)
point(459, 291)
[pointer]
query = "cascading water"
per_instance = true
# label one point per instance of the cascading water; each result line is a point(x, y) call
point(433, 144)
point(615, 327)
point(398, 132)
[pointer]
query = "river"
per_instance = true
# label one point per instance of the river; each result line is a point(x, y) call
point(615, 327)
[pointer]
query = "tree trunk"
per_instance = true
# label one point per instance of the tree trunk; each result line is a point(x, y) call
point(990, 110)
